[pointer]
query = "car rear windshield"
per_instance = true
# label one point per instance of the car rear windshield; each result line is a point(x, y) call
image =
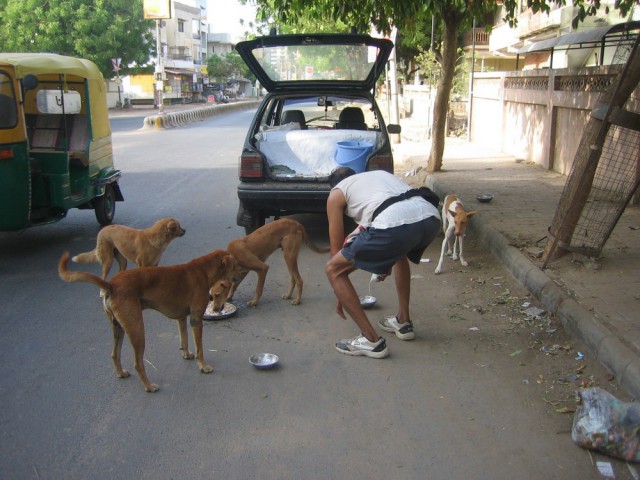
point(317, 62)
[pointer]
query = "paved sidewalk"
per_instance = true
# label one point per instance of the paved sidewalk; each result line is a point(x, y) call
point(597, 300)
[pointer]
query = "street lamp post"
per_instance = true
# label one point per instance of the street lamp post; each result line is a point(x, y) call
point(159, 70)
point(116, 69)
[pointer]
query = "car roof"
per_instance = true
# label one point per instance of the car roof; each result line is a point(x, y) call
point(323, 61)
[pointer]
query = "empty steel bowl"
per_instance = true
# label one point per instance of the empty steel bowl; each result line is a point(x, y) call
point(264, 360)
point(367, 301)
point(485, 197)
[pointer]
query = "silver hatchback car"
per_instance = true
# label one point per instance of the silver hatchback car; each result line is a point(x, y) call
point(319, 113)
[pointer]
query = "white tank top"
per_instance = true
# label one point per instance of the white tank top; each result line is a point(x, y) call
point(364, 192)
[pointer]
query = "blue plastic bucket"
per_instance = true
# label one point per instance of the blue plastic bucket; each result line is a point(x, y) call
point(353, 154)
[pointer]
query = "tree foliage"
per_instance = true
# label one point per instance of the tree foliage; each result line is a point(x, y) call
point(410, 17)
point(226, 67)
point(98, 30)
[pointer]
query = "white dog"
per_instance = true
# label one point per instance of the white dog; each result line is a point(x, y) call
point(454, 224)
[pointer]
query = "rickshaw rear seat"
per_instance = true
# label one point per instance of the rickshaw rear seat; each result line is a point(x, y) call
point(79, 135)
point(46, 131)
point(78, 140)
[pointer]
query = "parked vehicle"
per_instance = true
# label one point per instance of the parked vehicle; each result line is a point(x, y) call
point(55, 141)
point(319, 102)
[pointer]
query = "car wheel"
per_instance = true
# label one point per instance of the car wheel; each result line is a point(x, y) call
point(105, 206)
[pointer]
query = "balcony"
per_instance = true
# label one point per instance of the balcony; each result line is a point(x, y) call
point(479, 35)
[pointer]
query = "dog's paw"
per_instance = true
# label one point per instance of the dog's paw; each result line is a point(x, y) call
point(152, 388)
point(295, 302)
point(252, 303)
point(438, 270)
point(123, 374)
point(187, 355)
point(206, 369)
point(464, 263)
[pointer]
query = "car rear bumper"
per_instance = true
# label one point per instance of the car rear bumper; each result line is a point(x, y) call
point(284, 198)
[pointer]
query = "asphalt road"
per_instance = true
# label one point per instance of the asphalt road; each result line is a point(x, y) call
point(469, 398)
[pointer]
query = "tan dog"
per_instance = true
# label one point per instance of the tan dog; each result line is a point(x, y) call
point(175, 291)
point(219, 294)
point(142, 247)
point(254, 249)
point(454, 224)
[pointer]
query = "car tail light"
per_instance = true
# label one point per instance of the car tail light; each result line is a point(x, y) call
point(381, 162)
point(251, 166)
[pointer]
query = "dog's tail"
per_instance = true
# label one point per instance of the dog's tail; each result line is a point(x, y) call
point(69, 276)
point(87, 257)
point(312, 245)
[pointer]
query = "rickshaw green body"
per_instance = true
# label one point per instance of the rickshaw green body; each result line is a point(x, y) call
point(55, 141)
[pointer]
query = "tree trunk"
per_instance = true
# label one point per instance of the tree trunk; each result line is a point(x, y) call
point(441, 106)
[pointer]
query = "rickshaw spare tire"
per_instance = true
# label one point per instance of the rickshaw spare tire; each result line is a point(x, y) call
point(105, 206)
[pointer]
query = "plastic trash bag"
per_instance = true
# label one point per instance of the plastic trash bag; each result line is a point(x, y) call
point(605, 424)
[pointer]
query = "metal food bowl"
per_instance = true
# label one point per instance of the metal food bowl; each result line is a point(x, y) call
point(227, 311)
point(264, 361)
point(485, 197)
point(367, 301)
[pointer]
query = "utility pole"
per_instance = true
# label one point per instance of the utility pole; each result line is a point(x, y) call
point(159, 70)
point(473, 68)
point(393, 90)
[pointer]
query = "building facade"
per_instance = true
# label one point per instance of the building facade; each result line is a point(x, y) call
point(185, 44)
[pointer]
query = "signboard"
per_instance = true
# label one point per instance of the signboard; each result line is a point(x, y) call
point(156, 9)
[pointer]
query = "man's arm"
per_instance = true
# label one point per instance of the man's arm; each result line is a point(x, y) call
point(336, 204)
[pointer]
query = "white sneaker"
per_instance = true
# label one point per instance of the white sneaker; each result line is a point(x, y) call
point(359, 345)
point(404, 331)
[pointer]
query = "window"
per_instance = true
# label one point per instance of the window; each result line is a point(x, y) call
point(181, 26)
point(8, 110)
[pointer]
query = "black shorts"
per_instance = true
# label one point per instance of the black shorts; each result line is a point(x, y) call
point(377, 250)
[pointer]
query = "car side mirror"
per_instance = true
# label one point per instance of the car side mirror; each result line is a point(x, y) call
point(394, 128)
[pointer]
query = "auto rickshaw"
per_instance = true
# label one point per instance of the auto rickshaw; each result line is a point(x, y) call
point(55, 141)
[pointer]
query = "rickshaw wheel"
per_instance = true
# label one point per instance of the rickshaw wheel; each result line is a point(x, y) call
point(105, 206)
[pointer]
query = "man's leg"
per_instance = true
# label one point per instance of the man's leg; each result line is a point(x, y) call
point(400, 324)
point(338, 270)
point(402, 277)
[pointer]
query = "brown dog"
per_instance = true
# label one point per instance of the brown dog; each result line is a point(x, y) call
point(252, 251)
point(176, 291)
point(219, 294)
point(142, 247)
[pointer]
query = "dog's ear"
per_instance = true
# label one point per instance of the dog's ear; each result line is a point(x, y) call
point(229, 261)
point(471, 214)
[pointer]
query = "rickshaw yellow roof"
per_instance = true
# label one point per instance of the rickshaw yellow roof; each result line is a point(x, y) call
point(40, 63)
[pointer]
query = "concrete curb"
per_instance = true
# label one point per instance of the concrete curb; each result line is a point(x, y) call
point(576, 319)
point(185, 117)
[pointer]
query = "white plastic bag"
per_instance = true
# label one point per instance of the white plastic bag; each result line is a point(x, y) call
point(607, 425)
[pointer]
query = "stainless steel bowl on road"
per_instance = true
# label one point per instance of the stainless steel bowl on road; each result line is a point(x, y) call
point(367, 301)
point(264, 361)
point(485, 197)
point(227, 311)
